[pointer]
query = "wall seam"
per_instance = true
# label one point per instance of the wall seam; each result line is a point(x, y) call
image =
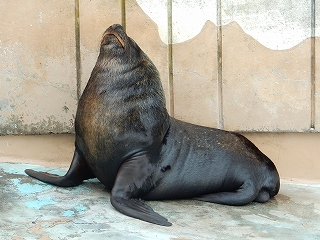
point(170, 58)
point(219, 73)
point(78, 53)
point(313, 66)
point(123, 14)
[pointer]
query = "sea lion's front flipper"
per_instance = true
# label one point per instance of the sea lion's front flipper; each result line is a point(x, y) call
point(138, 209)
point(134, 180)
point(78, 171)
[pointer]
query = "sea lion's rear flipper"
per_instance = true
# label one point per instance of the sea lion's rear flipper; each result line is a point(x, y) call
point(244, 195)
point(78, 171)
point(134, 180)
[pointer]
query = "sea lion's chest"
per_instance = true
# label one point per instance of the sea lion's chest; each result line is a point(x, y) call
point(108, 135)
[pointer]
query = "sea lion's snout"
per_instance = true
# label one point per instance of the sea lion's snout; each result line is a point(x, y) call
point(115, 30)
point(116, 35)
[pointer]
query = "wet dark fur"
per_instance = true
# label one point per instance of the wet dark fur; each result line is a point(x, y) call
point(125, 138)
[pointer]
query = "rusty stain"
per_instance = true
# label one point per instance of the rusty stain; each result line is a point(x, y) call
point(36, 229)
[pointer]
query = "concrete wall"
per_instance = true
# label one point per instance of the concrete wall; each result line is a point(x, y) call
point(37, 66)
point(249, 66)
point(239, 65)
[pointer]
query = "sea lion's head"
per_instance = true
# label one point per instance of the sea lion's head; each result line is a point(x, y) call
point(123, 64)
point(117, 48)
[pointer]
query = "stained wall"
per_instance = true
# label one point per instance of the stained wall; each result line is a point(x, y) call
point(238, 65)
point(37, 66)
point(264, 85)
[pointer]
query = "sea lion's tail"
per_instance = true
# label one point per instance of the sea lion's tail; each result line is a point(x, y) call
point(276, 187)
point(271, 188)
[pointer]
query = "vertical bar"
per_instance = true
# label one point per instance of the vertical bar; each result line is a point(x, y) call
point(123, 14)
point(78, 53)
point(219, 56)
point(313, 66)
point(170, 58)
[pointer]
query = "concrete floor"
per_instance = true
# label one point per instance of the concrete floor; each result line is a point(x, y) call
point(31, 209)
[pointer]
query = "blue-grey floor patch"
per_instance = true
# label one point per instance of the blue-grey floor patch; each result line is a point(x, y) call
point(31, 209)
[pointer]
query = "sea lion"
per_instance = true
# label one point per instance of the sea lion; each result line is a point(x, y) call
point(126, 139)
